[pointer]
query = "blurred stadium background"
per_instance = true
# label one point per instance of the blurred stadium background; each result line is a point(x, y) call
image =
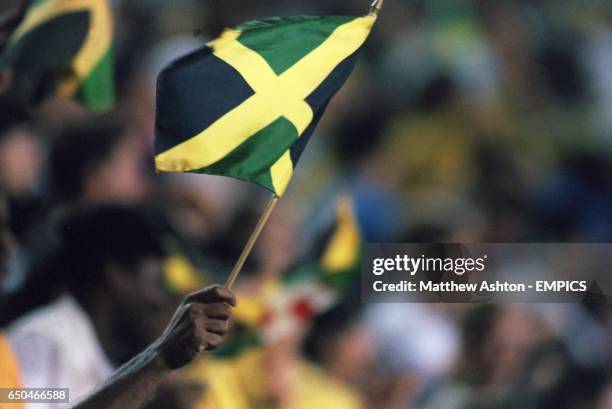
point(464, 121)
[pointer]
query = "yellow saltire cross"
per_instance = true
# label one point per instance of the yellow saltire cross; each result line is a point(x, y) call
point(98, 39)
point(275, 96)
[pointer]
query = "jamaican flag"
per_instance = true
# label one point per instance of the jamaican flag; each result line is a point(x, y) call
point(64, 46)
point(246, 104)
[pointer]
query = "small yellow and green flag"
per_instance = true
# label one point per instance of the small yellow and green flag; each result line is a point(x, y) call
point(285, 304)
point(246, 104)
point(65, 47)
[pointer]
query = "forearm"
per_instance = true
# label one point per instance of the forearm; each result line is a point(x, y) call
point(129, 386)
point(198, 324)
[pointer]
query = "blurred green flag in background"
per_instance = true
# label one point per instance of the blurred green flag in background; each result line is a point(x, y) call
point(65, 47)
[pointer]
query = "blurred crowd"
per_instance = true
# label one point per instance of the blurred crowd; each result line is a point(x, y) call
point(465, 121)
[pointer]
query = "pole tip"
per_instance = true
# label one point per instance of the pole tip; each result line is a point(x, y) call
point(375, 7)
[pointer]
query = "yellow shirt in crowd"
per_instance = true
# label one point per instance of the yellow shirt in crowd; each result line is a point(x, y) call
point(241, 383)
point(9, 372)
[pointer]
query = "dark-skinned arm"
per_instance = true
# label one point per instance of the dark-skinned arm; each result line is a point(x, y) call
point(199, 324)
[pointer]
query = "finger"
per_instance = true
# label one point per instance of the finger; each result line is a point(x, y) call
point(214, 293)
point(218, 310)
point(197, 309)
point(218, 327)
point(214, 341)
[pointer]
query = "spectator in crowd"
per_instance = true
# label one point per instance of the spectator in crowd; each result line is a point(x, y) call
point(96, 160)
point(496, 341)
point(21, 159)
point(113, 307)
point(342, 348)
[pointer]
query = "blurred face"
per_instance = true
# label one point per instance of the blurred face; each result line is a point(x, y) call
point(120, 178)
point(20, 159)
point(513, 337)
point(143, 307)
point(351, 354)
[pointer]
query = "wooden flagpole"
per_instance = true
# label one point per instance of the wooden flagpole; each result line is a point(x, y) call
point(249, 246)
